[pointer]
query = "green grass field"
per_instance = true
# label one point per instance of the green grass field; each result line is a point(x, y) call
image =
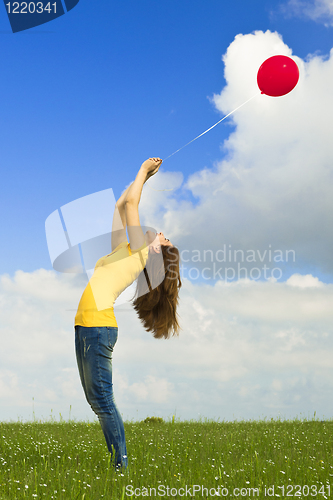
point(70, 460)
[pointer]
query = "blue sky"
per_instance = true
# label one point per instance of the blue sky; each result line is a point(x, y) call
point(86, 99)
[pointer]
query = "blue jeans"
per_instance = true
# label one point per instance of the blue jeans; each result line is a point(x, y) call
point(94, 347)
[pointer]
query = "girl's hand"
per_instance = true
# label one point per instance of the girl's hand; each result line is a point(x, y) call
point(151, 166)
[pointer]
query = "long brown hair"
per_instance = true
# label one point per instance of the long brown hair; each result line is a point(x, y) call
point(157, 305)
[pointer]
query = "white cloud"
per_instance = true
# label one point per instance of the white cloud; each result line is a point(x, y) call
point(238, 340)
point(303, 281)
point(151, 389)
point(274, 184)
point(317, 10)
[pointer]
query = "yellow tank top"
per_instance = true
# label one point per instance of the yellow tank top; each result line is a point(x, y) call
point(113, 273)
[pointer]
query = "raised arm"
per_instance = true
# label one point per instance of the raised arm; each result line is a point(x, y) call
point(133, 195)
point(135, 233)
point(118, 234)
point(147, 169)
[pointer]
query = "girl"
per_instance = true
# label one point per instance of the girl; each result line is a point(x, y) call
point(155, 262)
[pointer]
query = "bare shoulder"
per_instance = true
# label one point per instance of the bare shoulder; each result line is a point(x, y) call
point(117, 238)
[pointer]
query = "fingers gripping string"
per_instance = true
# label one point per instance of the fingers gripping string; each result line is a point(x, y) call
point(203, 133)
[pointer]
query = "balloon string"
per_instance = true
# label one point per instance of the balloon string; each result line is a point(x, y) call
point(203, 133)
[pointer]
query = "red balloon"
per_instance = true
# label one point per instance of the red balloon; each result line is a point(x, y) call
point(277, 76)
